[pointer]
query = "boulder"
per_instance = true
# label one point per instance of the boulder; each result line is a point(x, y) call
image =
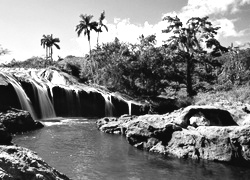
point(23, 164)
point(114, 125)
point(16, 120)
point(198, 132)
point(227, 144)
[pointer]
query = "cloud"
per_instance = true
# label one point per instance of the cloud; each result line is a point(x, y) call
point(228, 28)
point(126, 31)
point(200, 8)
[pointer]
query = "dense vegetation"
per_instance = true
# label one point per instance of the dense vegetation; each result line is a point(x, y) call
point(183, 66)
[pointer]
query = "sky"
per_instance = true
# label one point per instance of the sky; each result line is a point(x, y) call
point(24, 22)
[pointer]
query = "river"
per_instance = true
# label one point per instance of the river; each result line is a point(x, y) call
point(76, 148)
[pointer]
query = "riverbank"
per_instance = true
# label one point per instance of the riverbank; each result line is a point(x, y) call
point(21, 163)
point(195, 132)
point(17, 162)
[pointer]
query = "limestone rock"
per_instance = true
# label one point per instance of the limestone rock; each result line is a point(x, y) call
point(23, 164)
point(230, 144)
point(16, 120)
point(114, 125)
point(198, 132)
point(207, 115)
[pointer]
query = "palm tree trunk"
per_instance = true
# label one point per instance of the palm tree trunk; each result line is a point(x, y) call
point(46, 52)
point(189, 77)
point(98, 38)
point(89, 48)
point(51, 53)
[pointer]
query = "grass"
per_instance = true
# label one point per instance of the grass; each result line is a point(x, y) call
point(239, 94)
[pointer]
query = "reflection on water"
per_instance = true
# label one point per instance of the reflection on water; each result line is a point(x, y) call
point(76, 148)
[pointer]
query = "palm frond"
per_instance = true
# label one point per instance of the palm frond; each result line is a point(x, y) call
point(102, 17)
point(57, 46)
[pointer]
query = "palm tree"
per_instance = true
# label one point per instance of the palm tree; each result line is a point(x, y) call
point(3, 51)
point(48, 42)
point(86, 25)
point(44, 43)
point(100, 25)
point(53, 42)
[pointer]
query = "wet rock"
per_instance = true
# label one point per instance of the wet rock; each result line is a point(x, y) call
point(114, 125)
point(23, 164)
point(198, 132)
point(228, 144)
point(16, 120)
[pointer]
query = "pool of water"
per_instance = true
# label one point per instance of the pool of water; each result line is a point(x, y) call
point(76, 148)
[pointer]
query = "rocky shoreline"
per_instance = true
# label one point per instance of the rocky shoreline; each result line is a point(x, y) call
point(196, 132)
point(17, 162)
point(20, 163)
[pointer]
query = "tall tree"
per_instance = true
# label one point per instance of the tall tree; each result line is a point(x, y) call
point(3, 51)
point(44, 43)
point(187, 42)
point(100, 25)
point(53, 42)
point(48, 42)
point(86, 25)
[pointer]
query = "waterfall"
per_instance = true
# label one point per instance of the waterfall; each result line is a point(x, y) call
point(46, 107)
point(78, 103)
point(129, 107)
point(45, 104)
point(108, 105)
point(48, 93)
point(22, 96)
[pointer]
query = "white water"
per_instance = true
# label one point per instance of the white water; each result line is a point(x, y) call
point(45, 104)
point(23, 98)
point(43, 82)
point(46, 107)
point(108, 105)
point(129, 107)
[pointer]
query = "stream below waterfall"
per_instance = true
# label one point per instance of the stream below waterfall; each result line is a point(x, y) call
point(76, 148)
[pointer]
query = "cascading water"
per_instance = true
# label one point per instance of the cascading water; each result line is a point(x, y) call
point(108, 105)
point(129, 107)
point(78, 102)
point(46, 107)
point(48, 93)
point(45, 104)
point(23, 98)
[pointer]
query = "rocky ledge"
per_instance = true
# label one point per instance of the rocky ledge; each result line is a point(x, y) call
point(23, 164)
point(198, 132)
point(17, 121)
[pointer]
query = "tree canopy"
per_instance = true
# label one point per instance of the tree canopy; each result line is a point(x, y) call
point(187, 41)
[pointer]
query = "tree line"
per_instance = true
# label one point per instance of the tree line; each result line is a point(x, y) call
point(191, 59)
point(184, 60)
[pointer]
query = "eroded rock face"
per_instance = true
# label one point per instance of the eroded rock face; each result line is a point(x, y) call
point(205, 115)
point(23, 164)
point(198, 132)
point(230, 144)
